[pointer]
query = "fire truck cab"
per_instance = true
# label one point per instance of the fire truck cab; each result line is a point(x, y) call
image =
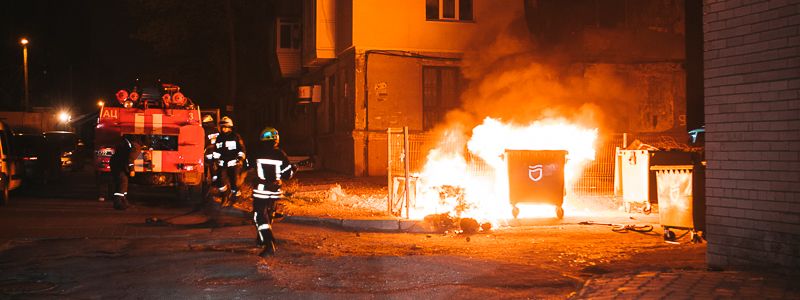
point(167, 126)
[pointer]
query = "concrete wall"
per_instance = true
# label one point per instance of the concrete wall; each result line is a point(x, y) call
point(752, 113)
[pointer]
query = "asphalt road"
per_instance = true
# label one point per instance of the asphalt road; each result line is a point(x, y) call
point(58, 241)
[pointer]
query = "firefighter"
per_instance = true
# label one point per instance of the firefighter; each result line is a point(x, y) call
point(121, 163)
point(211, 133)
point(229, 155)
point(273, 167)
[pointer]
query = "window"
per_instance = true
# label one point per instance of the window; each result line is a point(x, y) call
point(288, 35)
point(450, 10)
point(441, 87)
point(157, 141)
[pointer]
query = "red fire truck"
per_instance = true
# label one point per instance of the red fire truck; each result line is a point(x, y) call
point(167, 124)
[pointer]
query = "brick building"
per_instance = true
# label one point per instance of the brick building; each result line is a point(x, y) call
point(752, 117)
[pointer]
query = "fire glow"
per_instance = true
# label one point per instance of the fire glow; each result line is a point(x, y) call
point(470, 177)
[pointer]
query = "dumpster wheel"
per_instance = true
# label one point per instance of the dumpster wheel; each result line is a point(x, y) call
point(559, 212)
point(669, 235)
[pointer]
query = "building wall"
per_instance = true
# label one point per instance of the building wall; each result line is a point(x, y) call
point(335, 146)
point(752, 114)
point(401, 25)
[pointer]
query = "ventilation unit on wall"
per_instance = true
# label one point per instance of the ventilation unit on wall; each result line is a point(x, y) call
point(309, 94)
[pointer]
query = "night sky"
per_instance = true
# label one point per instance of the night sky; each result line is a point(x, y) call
point(69, 42)
point(81, 51)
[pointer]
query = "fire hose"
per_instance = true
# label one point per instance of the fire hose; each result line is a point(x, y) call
point(622, 228)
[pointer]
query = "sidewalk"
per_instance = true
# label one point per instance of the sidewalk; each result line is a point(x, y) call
point(691, 285)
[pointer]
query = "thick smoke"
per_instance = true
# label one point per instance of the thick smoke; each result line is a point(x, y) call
point(510, 79)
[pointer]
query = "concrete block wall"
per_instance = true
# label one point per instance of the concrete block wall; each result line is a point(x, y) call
point(752, 115)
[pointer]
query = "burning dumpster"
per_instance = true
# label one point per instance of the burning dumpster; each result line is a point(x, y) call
point(536, 176)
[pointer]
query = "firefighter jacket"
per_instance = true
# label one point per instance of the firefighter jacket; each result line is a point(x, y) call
point(125, 153)
point(211, 139)
point(272, 165)
point(228, 149)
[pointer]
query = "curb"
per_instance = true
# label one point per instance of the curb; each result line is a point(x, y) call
point(376, 225)
point(408, 226)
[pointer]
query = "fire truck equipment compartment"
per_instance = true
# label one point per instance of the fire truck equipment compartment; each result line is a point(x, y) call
point(536, 176)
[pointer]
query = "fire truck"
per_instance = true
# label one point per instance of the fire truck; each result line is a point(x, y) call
point(168, 126)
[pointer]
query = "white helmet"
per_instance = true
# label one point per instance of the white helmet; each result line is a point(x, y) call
point(226, 122)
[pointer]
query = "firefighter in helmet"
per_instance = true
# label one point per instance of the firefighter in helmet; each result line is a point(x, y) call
point(211, 132)
point(228, 155)
point(121, 163)
point(272, 168)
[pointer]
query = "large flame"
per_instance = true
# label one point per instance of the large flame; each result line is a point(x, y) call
point(469, 177)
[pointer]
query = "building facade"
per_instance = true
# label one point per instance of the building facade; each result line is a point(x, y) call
point(371, 65)
point(366, 66)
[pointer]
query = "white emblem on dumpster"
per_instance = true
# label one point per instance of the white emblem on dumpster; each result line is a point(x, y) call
point(537, 170)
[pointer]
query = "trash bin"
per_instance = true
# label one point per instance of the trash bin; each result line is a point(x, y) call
point(536, 176)
point(680, 191)
point(637, 180)
point(634, 178)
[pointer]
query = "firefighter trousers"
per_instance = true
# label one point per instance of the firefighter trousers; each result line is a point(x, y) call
point(228, 179)
point(120, 188)
point(263, 213)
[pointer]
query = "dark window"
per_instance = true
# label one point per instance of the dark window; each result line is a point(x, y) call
point(4, 149)
point(431, 9)
point(440, 93)
point(448, 9)
point(63, 141)
point(157, 141)
point(30, 145)
point(452, 10)
point(465, 10)
point(286, 36)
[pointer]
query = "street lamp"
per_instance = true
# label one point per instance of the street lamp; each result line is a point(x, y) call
point(24, 42)
point(64, 117)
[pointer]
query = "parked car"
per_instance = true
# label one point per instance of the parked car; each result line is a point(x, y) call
point(10, 164)
point(69, 149)
point(40, 162)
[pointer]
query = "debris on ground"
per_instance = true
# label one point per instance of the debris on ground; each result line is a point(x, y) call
point(469, 225)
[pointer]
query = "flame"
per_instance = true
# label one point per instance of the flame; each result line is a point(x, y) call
point(470, 179)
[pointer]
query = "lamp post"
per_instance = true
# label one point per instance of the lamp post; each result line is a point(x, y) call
point(24, 43)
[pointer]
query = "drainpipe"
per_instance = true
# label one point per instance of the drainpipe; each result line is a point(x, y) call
point(366, 113)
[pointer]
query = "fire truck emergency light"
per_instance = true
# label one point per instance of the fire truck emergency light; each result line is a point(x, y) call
point(122, 95)
point(179, 99)
point(134, 96)
point(166, 98)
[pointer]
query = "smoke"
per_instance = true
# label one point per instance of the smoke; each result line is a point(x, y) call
point(510, 79)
